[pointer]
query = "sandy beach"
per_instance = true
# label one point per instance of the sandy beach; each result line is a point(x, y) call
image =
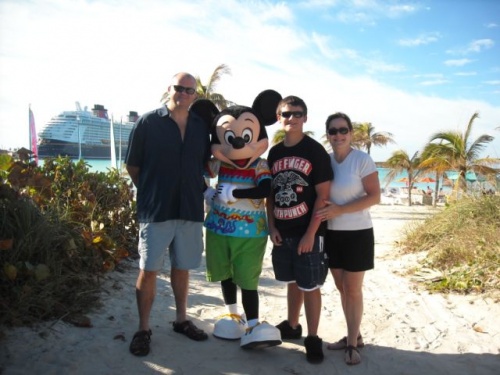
point(406, 329)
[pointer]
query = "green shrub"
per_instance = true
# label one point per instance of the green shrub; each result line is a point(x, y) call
point(463, 243)
point(61, 228)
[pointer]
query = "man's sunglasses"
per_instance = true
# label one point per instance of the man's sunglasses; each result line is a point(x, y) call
point(334, 131)
point(296, 114)
point(181, 89)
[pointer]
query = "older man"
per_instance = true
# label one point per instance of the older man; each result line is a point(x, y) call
point(168, 148)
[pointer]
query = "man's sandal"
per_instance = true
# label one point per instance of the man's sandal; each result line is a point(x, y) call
point(352, 356)
point(342, 344)
point(140, 343)
point(190, 330)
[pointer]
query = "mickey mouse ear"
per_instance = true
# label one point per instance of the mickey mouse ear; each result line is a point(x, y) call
point(265, 105)
point(206, 110)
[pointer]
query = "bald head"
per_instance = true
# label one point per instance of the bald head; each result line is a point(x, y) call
point(183, 76)
point(181, 92)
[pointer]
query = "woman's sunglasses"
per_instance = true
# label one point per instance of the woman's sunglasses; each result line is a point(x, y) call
point(334, 131)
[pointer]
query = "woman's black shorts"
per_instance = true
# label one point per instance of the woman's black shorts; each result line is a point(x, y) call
point(350, 250)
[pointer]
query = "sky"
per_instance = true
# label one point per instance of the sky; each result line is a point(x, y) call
point(411, 68)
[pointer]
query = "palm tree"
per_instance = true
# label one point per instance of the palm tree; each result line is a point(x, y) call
point(280, 135)
point(326, 143)
point(364, 136)
point(462, 154)
point(432, 161)
point(398, 162)
point(207, 91)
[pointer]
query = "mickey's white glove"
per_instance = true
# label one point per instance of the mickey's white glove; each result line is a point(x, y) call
point(225, 193)
point(209, 195)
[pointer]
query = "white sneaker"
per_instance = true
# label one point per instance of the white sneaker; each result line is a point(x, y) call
point(230, 327)
point(262, 335)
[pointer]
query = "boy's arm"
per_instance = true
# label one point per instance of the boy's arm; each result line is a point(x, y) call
point(322, 193)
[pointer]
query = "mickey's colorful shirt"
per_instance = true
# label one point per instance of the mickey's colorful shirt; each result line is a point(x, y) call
point(245, 217)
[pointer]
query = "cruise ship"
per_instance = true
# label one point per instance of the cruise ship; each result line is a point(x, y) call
point(84, 134)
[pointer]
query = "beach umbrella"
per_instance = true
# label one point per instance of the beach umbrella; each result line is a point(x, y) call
point(406, 180)
point(427, 179)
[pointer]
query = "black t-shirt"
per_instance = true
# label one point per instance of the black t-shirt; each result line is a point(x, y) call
point(296, 171)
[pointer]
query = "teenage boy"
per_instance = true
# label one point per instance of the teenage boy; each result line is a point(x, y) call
point(301, 174)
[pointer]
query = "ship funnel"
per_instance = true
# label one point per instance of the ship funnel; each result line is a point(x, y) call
point(100, 111)
point(133, 116)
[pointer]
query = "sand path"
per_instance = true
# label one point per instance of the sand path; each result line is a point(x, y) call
point(406, 329)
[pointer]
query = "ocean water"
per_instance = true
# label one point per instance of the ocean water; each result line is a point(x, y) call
point(383, 172)
point(103, 165)
point(98, 165)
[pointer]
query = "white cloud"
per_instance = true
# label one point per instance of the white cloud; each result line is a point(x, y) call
point(401, 10)
point(370, 12)
point(475, 46)
point(311, 4)
point(434, 82)
point(465, 74)
point(429, 75)
point(496, 82)
point(323, 43)
point(374, 66)
point(372, 62)
point(420, 40)
point(364, 18)
point(481, 44)
point(491, 25)
point(458, 62)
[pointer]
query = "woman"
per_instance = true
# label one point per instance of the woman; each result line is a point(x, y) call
point(349, 241)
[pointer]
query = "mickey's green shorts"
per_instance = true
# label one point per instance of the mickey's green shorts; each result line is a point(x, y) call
point(235, 257)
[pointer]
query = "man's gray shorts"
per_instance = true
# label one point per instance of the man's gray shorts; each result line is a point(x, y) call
point(183, 239)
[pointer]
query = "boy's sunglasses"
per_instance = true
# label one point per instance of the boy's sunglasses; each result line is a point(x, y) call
point(181, 89)
point(296, 114)
point(334, 131)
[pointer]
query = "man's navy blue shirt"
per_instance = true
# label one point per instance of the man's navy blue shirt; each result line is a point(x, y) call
point(171, 181)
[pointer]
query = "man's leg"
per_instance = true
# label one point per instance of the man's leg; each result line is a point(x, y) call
point(180, 286)
point(145, 291)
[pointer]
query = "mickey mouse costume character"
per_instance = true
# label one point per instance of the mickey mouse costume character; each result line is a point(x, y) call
point(236, 225)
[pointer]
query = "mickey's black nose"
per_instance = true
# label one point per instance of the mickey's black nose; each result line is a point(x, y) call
point(238, 143)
